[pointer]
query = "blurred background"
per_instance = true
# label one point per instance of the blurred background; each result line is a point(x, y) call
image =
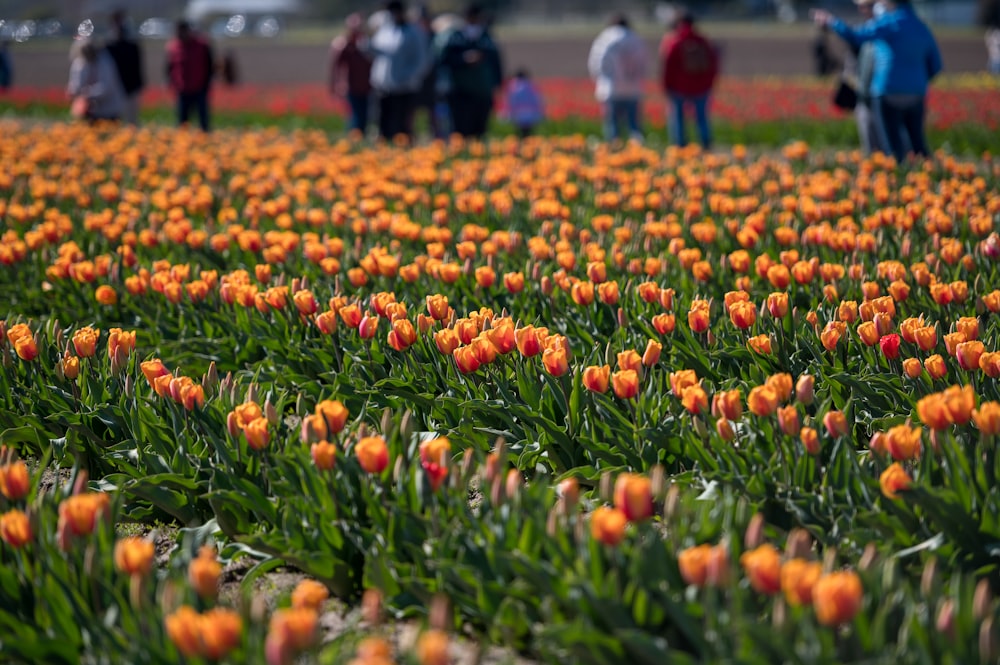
point(286, 42)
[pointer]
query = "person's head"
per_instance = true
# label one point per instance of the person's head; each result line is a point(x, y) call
point(422, 16)
point(183, 30)
point(474, 14)
point(618, 20)
point(397, 11)
point(684, 19)
point(522, 74)
point(118, 22)
point(354, 24)
point(864, 7)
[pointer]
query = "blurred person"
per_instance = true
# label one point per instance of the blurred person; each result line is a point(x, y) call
point(989, 16)
point(229, 70)
point(350, 71)
point(475, 73)
point(190, 66)
point(426, 97)
point(863, 72)
point(993, 50)
point(94, 87)
point(825, 62)
point(444, 25)
point(690, 67)
point(903, 70)
point(618, 63)
point(6, 66)
point(524, 103)
point(127, 56)
point(398, 67)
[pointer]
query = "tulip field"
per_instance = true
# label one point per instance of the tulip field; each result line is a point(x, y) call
point(562, 401)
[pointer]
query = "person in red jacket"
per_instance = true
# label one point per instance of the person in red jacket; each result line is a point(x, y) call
point(690, 67)
point(190, 67)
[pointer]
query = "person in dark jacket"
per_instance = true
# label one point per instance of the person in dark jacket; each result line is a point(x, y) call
point(427, 97)
point(690, 67)
point(351, 70)
point(127, 55)
point(474, 73)
point(903, 70)
point(190, 66)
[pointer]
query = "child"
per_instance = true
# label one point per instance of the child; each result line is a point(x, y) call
point(524, 104)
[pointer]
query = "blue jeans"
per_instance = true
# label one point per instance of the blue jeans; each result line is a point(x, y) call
point(678, 103)
point(359, 112)
point(901, 127)
point(617, 109)
point(198, 101)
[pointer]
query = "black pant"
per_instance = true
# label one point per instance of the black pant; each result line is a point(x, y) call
point(197, 101)
point(470, 114)
point(395, 112)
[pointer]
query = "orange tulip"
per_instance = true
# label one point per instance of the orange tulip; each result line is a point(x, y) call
point(762, 401)
point(105, 295)
point(607, 525)
point(695, 400)
point(78, 514)
point(761, 344)
point(324, 454)
point(437, 307)
point(789, 421)
point(798, 578)
point(805, 389)
point(681, 380)
point(743, 314)
point(903, 443)
point(134, 556)
point(557, 363)
point(968, 354)
point(528, 342)
point(651, 355)
point(912, 368)
point(514, 282)
point(837, 598)
point(990, 364)
point(987, 418)
point(372, 453)
point(596, 378)
point(625, 383)
point(466, 359)
point(85, 341)
point(305, 302)
point(835, 423)
point(629, 359)
point(15, 529)
point(777, 304)
point(256, 433)
point(960, 401)
point(221, 631)
point(935, 366)
point(434, 459)
point(402, 335)
point(291, 630)
point(810, 440)
point(893, 480)
point(698, 316)
point(15, 481)
point(727, 404)
point(446, 340)
point(184, 629)
point(664, 323)
point(763, 568)
point(368, 326)
point(868, 333)
point(633, 496)
point(582, 293)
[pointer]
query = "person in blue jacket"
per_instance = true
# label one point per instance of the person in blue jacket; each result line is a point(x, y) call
point(905, 63)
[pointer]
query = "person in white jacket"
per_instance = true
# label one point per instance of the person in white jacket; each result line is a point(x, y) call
point(619, 64)
point(94, 84)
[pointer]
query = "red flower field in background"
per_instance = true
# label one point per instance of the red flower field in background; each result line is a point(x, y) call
point(959, 100)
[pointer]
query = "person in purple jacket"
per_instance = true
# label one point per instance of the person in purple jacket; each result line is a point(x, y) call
point(904, 65)
point(524, 104)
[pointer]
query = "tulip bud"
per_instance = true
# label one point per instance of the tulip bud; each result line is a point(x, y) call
point(671, 502)
point(622, 319)
point(371, 606)
point(547, 285)
point(982, 599)
point(271, 413)
point(569, 490)
point(468, 459)
point(945, 622)
point(754, 535)
point(928, 579)
point(868, 557)
point(657, 481)
point(607, 483)
point(211, 378)
point(798, 545)
point(805, 390)
point(989, 646)
point(513, 485)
